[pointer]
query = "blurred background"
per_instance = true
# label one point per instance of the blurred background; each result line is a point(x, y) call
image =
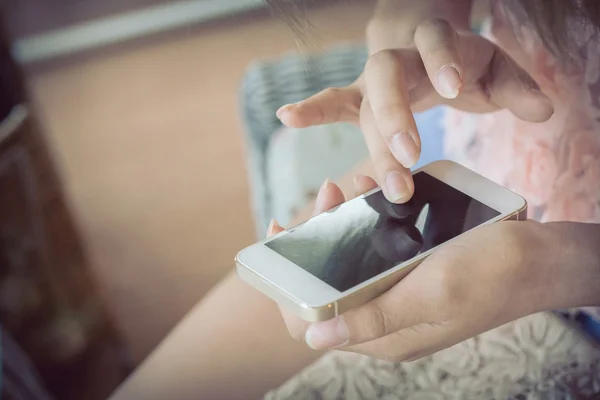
point(138, 130)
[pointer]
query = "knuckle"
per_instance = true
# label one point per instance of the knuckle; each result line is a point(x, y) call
point(435, 37)
point(377, 324)
point(435, 26)
point(333, 91)
point(384, 162)
point(406, 348)
point(388, 111)
point(380, 27)
point(451, 293)
point(382, 57)
point(320, 115)
point(343, 101)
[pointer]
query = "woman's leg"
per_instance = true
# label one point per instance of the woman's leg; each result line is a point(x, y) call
point(232, 345)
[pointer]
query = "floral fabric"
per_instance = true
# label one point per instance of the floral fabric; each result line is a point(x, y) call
point(555, 165)
point(534, 358)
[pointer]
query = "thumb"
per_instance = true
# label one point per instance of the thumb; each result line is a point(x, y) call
point(388, 313)
point(514, 89)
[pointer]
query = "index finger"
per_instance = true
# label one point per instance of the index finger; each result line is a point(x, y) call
point(387, 84)
point(436, 42)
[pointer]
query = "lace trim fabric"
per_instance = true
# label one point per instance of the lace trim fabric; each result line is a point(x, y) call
point(538, 357)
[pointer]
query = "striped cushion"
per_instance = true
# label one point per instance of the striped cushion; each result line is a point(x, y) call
point(266, 86)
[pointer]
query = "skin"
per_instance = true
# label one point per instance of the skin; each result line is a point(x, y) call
point(506, 270)
point(440, 62)
point(486, 278)
point(235, 334)
point(243, 335)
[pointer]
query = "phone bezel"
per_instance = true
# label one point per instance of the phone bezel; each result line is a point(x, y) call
point(308, 291)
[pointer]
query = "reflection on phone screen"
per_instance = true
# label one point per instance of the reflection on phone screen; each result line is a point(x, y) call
point(368, 236)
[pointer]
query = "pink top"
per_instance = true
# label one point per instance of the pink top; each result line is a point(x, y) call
point(555, 165)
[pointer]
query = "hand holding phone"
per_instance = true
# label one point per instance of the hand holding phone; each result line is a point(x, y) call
point(472, 284)
point(350, 254)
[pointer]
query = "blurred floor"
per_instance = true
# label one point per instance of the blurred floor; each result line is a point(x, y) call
point(148, 139)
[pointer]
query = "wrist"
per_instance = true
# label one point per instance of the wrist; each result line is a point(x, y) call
point(564, 263)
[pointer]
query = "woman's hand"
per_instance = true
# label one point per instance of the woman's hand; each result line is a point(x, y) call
point(481, 280)
point(460, 69)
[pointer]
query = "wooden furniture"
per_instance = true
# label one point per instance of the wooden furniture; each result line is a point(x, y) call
point(48, 299)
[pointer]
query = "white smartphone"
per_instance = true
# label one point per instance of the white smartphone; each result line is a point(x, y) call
point(353, 253)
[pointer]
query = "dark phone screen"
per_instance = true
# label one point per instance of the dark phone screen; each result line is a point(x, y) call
point(365, 237)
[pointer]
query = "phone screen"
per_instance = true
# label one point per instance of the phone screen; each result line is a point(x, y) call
point(368, 236)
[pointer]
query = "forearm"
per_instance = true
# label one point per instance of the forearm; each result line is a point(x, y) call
point(567, 265)
point(394, 21)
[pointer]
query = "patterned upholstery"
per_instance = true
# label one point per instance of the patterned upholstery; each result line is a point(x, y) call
point(270, 84)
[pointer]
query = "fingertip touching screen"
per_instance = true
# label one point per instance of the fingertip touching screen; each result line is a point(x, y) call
point(368, 236)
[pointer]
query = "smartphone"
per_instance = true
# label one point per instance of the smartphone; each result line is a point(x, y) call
point(354, 252)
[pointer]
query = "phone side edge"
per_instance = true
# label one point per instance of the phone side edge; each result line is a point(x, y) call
point(307, 313)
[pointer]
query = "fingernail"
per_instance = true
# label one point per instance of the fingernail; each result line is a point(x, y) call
point(449, 82)
point(405, 149)
point(272, 225)
point(328, 334)
point(547, 100)
point(542, 96)
point(357, 185)
point(282, 110)
point(396, 186)
point(320, 195)
point(532, 85)
point(535, 89)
